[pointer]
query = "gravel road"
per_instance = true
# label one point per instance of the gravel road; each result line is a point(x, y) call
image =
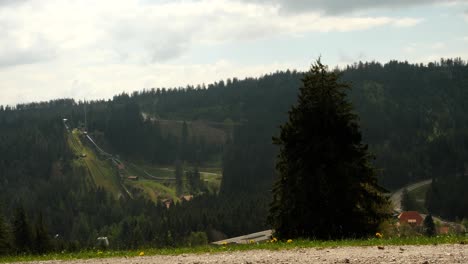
point(390, 254)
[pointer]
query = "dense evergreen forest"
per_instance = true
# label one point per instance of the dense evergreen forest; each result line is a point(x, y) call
point(413, 117)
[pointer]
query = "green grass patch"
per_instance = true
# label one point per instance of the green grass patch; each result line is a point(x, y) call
point(90, 254)
point(155, 170)
point(210, 176)
point(100, 171)
point(153, 190)
point(211, 180)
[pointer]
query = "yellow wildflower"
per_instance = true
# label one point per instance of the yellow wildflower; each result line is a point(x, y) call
point(289, 241)
point(141, 254)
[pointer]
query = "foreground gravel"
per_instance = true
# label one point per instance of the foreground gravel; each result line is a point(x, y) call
point(389, 254)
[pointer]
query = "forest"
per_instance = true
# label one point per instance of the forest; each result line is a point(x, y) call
point(412, 116)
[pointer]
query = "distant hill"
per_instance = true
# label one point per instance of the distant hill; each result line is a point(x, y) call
point(413, 117)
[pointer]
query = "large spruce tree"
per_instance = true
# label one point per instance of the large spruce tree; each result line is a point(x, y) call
point(327, 186)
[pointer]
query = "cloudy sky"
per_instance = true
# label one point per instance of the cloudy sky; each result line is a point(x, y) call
point(95, 49)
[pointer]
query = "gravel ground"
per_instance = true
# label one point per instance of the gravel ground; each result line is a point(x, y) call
point(390, 254)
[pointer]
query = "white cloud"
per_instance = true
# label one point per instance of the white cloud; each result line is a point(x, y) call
point(10, 2)
point(149, 33)
point(104, 81)
point(407, 22)
point(438, 46)
point(340, 7)
point(95, 49)
point(410, 48)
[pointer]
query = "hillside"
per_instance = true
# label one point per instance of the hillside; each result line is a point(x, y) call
point(99, 173)
point(217, 140)
point(103, 170)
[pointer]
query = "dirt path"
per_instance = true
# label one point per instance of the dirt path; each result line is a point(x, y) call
point(390, 254)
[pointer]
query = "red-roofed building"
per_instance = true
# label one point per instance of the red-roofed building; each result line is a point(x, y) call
point(411, 217)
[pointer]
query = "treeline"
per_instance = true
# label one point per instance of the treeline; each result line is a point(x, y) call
point(131, 224)
point(120, 127)
point(37, 174)
point(22, 236)
point(413, 117)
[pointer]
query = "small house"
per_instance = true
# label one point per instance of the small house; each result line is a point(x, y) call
point(412, 218)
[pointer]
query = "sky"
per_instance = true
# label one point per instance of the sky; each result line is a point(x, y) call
point(84, 49)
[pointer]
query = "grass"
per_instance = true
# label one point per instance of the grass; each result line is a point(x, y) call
point(154, 190)
point(100, 171)
point(212, 180)
point(90, 254)
point(162, 172)
point(211, 176)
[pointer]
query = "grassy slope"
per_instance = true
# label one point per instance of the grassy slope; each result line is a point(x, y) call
point(100, 172)
point(228, 248)
point(153, 190)
point(211, 176)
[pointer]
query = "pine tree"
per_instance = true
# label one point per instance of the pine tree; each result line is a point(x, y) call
point(21, 231)
point(4, 237)
point(429, 226)
point(194, 179)
point(42, 242)
point(326, 187)
point(178, 173)
point(184, 146)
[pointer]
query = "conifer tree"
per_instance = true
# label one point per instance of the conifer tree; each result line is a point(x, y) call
point(178, 173)
point(21, 231)
point(193, 177)
point(327, 186)
point(429, 226)
point(42, 242)
point(4, 237)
